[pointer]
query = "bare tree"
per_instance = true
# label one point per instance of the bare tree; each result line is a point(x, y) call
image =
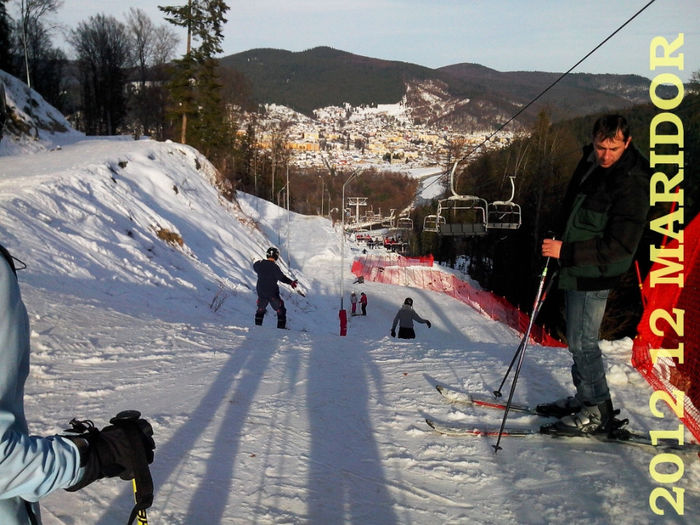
point(279, 154)
point(694, 84)
point(164, 43)
point(141, 29)
point(31, 13)
point(5, 49)
point(153, 47)
point(103, 49)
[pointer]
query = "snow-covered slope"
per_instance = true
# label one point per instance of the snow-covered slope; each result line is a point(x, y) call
point(32, 125)
point(265, 426)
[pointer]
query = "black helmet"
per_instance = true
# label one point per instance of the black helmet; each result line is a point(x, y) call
point(272, 253)
point(408, 301)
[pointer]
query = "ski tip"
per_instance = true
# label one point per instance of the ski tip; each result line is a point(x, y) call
point(447, 391)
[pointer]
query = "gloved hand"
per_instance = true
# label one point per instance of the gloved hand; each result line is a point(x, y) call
point(294, 284)
point(393, 333)
point(111, 451)
point(428, 323)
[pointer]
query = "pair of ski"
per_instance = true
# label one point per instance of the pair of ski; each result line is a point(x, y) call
point(467, 399)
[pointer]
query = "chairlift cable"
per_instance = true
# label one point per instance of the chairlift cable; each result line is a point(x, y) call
point(544, 91)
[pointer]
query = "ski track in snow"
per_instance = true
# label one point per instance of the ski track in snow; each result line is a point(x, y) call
point(260, 426)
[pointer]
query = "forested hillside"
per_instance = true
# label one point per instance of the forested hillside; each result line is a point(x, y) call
point(324, 76)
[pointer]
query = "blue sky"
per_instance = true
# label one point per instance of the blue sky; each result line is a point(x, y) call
point(507, 35)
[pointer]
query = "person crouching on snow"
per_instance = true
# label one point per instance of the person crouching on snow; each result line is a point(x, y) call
point(404, 318)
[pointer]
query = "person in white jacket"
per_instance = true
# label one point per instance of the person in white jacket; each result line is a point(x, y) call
point(404, 318)
point(32, 467)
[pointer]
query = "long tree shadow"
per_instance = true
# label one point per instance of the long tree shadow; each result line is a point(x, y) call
point(347, 482)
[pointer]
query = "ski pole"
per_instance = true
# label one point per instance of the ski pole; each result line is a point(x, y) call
point(535, 312)
point(141, 516)
point(540, 289)
point(142, 482)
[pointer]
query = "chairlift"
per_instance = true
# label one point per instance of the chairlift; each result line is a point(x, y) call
point(461, 215)
point(404, 223)
point(505, 215)
point(431, 223)
point(388, 222)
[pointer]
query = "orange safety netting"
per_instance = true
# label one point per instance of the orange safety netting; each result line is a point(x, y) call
point(419, 273)
point(670, 374)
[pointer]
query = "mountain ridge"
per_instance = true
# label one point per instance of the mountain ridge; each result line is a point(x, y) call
point(480, 96)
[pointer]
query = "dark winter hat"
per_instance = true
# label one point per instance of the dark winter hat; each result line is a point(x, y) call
point(273, 253)
point(408, 301)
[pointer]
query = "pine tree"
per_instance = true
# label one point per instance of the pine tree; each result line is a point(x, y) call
point(194, 84)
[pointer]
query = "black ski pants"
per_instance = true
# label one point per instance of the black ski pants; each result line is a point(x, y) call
point(277, 305)
point(406, 333)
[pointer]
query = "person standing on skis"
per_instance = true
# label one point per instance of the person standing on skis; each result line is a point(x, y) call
point(353, 302)
point(32, 467)
point(404, 318)
point(605, 214)
point(363, 303)
point(268, 290)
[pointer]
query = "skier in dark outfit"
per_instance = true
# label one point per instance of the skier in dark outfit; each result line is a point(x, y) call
point(404, 318)
point(605, 213)
point(268, 291)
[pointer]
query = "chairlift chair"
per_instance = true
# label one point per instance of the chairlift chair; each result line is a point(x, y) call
point(505, 215)
point(461, 215)
point(388, 222)
point(404, 223)
point(431, 223)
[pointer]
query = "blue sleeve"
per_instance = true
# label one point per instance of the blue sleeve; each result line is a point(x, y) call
point(30, 466)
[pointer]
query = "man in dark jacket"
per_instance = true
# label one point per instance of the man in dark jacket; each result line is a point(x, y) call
point(605, 212)
point(404, 318)
point(268, 291)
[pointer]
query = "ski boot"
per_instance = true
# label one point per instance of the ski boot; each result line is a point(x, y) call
point(591, 419)
point(560, 408)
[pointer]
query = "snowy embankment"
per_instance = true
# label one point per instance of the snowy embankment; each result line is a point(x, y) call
point(258, 425)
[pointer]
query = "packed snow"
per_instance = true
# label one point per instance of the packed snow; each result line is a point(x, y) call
point(256, 425)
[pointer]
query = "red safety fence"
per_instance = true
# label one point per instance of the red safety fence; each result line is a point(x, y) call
point(662, 327)
point(420, 273)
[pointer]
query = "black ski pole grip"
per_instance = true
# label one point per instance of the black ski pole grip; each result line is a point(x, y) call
point(134, 427)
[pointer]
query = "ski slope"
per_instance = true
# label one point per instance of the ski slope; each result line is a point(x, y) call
point(256, 425)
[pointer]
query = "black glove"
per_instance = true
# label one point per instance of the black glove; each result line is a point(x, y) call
point(121, 449)
point(428, 323)
point(393, 333)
